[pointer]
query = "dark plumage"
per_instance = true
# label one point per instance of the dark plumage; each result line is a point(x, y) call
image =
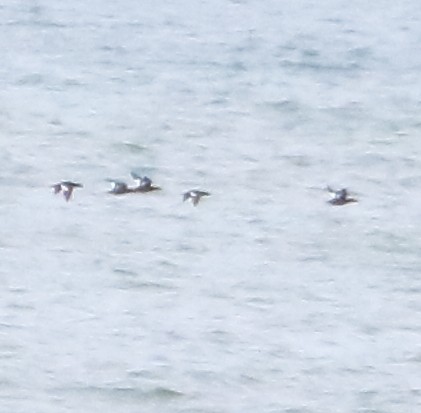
point(66, 187)
point(340, 197)
point(119, 188)
point(144, 184)
point(194, 195)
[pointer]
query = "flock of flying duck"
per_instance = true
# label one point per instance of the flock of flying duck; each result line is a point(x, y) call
point(144, 185)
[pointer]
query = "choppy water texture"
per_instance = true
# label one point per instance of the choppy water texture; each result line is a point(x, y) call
point(264, 298)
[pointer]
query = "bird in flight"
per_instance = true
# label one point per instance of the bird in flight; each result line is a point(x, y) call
point(194, 195)
point(66, 187)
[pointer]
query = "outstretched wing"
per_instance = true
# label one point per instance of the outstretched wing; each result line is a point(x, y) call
point(56, 188)
point(337, 193)
point(186, 196)
point(331, 190)
point(137, 178)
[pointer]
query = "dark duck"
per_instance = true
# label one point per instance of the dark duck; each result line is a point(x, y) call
point(119, 188)
point(144, 184)
point(66, 187)
point(340, 197)
point(194, 195)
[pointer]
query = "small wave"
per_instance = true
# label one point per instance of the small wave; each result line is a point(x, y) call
point(130, 147)
point(144, 285)
point(321, 67)
point(164, 393)
point(124, 271)
point(128, 393)
point(31, 80)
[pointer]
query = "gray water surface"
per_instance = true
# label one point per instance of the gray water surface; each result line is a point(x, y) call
point(264, 298)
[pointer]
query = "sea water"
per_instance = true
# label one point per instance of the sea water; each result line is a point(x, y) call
point(263, 298)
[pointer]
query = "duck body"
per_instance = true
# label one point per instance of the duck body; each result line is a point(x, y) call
point(119, 188)
point(66, 187)
point(340, 197)
point(194, 195)
point(144, 184)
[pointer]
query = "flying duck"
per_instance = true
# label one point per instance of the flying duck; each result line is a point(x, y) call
point(340, 197)
point(66, 187)
point(194, 195)
point(119, 188)
point(144, 184)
